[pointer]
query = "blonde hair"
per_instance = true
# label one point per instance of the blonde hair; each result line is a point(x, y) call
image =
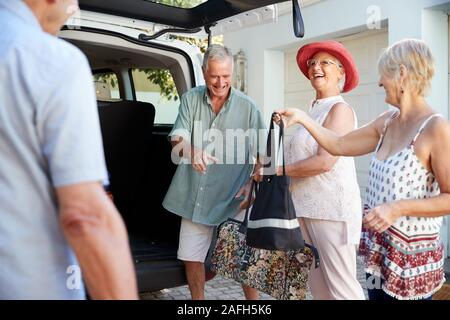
point(416, 56)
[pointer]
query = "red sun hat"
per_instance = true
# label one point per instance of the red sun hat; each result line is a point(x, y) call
point(338, 51)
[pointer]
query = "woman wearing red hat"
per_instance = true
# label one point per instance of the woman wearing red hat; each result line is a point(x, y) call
point(324, 188)
point(408, 189)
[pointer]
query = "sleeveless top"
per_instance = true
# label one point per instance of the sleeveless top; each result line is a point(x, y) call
point(333, 195)
point(409, 255)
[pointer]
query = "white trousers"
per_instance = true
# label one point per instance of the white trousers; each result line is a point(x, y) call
point(335, 279)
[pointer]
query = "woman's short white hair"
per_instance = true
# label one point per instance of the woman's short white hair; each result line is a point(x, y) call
point(416, 56)
point(217, 52)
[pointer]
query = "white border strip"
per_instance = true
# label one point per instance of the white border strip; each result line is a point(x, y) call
point(273, 223)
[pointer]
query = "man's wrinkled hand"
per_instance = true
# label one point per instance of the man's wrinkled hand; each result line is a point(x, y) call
point(201, 159)
point(245, 192)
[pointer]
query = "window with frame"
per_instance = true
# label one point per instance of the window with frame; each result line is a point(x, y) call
point(156, 86)
point(185, 4)
point(106, 85)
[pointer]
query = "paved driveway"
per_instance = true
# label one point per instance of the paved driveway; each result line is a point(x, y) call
point(224, 289)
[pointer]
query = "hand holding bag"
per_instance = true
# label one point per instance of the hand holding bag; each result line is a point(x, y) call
point(273, 223)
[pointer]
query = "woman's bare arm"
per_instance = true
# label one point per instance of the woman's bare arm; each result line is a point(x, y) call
point(357, 142)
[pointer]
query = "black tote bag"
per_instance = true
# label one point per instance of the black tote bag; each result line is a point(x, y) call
point(272, 223)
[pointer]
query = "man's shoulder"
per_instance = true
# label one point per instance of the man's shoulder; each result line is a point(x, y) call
point(59, 54)
point(40, 50)
point(244, 100)
point(50, 63)
point(196, 92)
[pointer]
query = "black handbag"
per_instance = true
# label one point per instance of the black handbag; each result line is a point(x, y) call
point(272, 223)
point(283, 274)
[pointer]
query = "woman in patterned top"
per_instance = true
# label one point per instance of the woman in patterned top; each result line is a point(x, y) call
point(409, 185)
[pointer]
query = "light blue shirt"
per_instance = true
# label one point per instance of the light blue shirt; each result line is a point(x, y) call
point(49, 137)
point(210, 198)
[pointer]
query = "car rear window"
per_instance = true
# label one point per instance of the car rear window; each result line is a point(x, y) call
point(185, 4)
point(157, 87)
point(106, 86)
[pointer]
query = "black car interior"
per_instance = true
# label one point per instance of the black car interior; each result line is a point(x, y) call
point(140, 169)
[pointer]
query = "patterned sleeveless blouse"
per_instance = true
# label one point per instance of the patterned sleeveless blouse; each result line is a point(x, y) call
point(409, 255)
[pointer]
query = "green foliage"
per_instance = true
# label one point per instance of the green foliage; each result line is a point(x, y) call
point(201, 43)
point(107, 78)
point(180, 3)
point(164, 80)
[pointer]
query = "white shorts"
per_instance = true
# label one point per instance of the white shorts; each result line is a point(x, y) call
point(195, 239)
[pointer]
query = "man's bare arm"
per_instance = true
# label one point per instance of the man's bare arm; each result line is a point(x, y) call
point(97, 234)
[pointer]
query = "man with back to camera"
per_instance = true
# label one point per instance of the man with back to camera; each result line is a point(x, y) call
point(52, 166)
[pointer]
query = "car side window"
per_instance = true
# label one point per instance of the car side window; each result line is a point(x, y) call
point(157, 87)
point(106, 86)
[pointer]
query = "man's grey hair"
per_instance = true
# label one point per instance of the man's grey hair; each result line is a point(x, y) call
point(217, 52)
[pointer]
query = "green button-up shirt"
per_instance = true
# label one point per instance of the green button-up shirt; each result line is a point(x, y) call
point(232, 136)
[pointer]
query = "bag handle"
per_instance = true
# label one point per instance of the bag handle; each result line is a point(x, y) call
point(243, 227)
point(280, 142)
point(315, 253)
point(254, 186)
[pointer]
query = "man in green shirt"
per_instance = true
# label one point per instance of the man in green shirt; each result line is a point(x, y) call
point(215, 142)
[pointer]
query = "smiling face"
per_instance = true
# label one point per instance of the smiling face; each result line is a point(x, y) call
point(218, 75)
point(324, 72)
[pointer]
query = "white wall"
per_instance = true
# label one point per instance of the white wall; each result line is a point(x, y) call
point(337, 18)
point(435, 33)
point(445, 232)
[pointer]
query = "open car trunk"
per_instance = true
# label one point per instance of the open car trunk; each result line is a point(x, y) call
point(138, 159)
point(137, 152)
